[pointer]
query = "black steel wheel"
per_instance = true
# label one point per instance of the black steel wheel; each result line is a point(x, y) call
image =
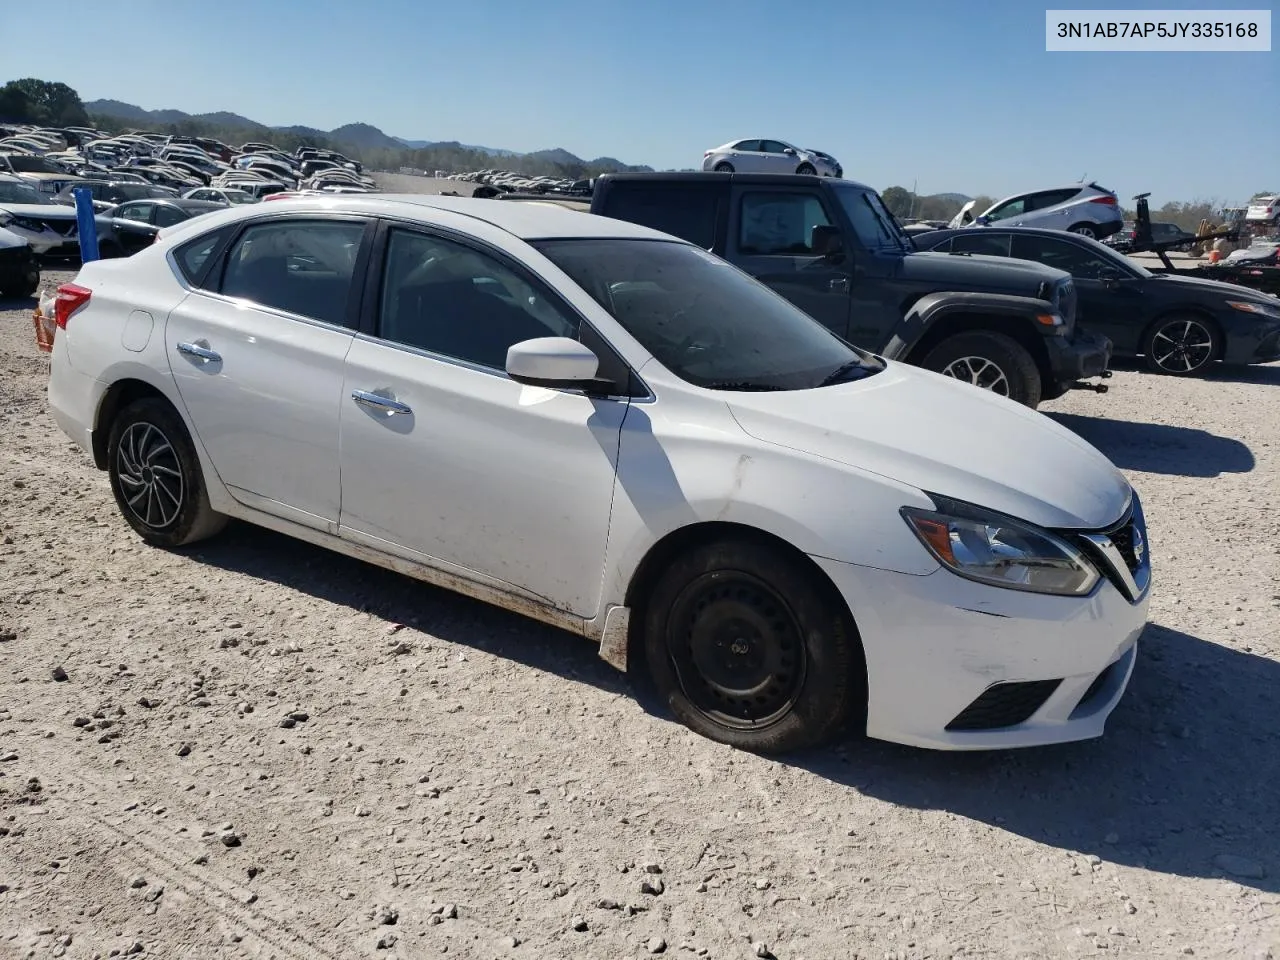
point(745, 647)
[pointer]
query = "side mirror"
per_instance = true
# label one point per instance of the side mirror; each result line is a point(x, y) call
point(789, 151)
point(982, 221)
point(826, 241)
point(553, 362)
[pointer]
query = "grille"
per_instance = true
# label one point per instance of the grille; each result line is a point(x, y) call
point(1004, 705)
point(1122, 537)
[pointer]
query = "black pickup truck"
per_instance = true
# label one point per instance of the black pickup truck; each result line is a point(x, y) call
point(832, 248)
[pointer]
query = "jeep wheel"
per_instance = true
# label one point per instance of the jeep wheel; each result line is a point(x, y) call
point(991, 361)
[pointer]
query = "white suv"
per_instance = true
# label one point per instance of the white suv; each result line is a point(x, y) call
point(769, 156)
point(1083, 208)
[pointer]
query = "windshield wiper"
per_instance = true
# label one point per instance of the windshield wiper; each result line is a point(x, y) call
point(741, 385)
point(841, 373)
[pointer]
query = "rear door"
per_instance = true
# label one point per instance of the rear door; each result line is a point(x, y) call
point(257, 351)
point(1048, 210)
point(771, 238)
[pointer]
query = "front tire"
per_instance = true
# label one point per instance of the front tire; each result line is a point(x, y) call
point(1181, 345)
point(747, 650)
point(806, 170)
point(156, 478)
point(991, 361)
point(24, 286)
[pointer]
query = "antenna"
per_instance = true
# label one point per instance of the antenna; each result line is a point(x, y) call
point(1082, 176)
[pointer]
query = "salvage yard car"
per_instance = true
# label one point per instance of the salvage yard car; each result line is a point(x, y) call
point(833, 249)
point(611, 430)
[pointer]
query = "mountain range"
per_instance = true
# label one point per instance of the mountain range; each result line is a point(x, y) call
point(359, 136)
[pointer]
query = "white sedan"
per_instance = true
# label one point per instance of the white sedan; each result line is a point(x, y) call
point(611, 430)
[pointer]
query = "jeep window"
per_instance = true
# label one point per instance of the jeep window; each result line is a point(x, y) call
point(872, 222)
point(779, 224)
point(690, 213)
point(706, 321)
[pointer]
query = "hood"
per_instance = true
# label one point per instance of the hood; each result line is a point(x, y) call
point(940, 435)
point(959, 220)
point(40, 211)
point(979, 272)
point(1218, 287)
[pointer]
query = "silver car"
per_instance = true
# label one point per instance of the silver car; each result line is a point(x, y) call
point(1083, 208)
point(769, 156)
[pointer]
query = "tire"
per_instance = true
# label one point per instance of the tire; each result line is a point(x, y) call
point(1085, 230)
point(1181, 345)
point(806, 170)
point(721, 606)
point(724, 167)
point(24, 286)
point(149, 434)
point(991, 361)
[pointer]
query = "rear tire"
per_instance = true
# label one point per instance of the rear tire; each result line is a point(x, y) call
point(156, 478)
point(24, 286)
point(991, 361)
point(723, 167)
point(746, 649)
point(1085, 230)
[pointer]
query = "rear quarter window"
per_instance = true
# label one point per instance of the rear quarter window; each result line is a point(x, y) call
point(195, 257)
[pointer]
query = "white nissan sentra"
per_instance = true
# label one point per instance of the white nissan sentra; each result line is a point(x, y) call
point(613, 431)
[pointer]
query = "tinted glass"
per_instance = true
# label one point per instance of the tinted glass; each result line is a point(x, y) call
point(748, 145)
point(1050, 198)
point(1013, 208)
point(11, 191)
point(779, 223)
point(1083, 263)
point(166, 216)
point(301, 266)
point(772, 146)
point(447, 298)
point(22, 163)
point(192, 256)
point(139, 212)
point(705, 320)
point(688, 213)
point(872, 222)
point(979, 241)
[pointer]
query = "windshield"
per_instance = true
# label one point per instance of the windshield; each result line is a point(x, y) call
point(11, 192)
point(25, 164)
point(704, 320)
point(871, 219)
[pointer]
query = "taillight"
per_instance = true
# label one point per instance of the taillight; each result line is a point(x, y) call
point(1109, 201)
point(70, 298)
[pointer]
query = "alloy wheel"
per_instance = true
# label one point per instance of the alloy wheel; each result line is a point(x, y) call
point(150, 475)
point(738, 649)
point(1182, 346)
point(980, 372)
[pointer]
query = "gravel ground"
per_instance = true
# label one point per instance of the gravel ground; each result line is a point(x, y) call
point(260, 749)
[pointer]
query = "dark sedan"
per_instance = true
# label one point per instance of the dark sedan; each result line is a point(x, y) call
point(131, 226)
point(1179, 325)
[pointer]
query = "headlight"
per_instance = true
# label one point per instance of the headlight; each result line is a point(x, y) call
point(1258, 309)
point(994, 549)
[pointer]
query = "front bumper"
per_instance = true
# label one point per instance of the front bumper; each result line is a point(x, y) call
point(1083, 355)
point(955, 665)
point(1254, 341)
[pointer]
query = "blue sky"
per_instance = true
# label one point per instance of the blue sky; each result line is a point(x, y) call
point(958, 94)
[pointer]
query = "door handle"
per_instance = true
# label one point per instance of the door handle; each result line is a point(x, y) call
point(203, 354)
point(386, 404)
point(839, 285)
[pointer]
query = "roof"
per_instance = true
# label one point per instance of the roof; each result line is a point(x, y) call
point(527, 221)
point(757, 179)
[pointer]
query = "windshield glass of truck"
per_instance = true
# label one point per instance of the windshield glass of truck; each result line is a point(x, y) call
point(704, 320)
point(871, 220)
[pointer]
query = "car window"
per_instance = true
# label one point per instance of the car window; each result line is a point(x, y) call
point(688, 213)
point(1049, 198)
point(301, 266)
point(1013, 208)
point(13, 192)
point(704, 320)
point(450, 299)
point(779, 223)
point(167, 216)
point(137, 212)
point(1081, 263)
point(979, 241)
point(872, 221)
point(193, 255)
point(772, 146)
point(749, 146)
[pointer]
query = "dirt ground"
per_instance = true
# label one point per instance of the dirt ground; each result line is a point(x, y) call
point(260, 749)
